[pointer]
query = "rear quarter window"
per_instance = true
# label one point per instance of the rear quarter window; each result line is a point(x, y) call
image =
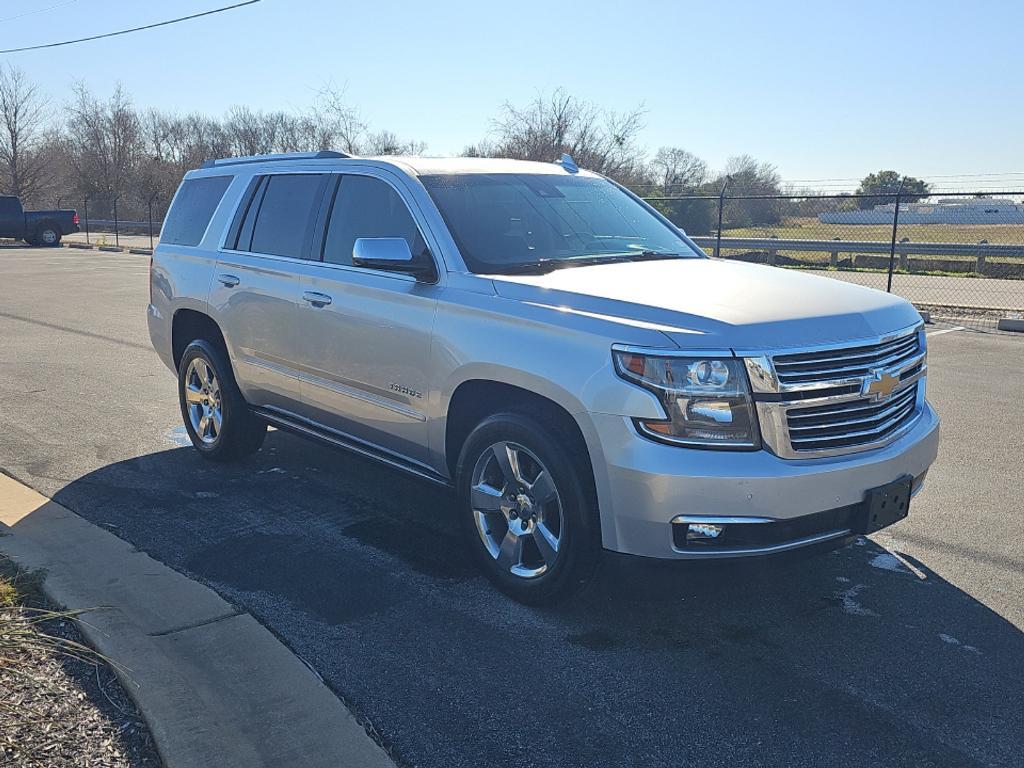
point(192, 210)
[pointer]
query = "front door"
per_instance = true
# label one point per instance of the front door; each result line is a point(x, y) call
point(365, 335)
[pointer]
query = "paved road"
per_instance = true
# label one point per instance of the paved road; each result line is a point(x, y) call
point(853, 658)
point(973, 292)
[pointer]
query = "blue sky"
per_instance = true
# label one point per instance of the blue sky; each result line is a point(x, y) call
point(820, 89)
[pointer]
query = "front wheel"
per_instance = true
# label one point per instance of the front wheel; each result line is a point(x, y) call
point(528, 508)
point(216, 416)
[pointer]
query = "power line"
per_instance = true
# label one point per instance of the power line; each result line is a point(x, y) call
point(133, 29)
point(39, 10)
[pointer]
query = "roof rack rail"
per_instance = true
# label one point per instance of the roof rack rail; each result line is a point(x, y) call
point(323, 154)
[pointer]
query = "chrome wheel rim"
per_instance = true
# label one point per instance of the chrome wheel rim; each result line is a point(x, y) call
point(49, 236)
point(202, 399)
point(517, 510)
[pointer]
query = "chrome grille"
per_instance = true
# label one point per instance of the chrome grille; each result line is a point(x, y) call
point(851, 423)
point(831, 401)
point(846, 363)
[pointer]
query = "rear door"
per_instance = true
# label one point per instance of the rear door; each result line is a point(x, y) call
point(12, 218)
point(365, 335)
point(256, 285)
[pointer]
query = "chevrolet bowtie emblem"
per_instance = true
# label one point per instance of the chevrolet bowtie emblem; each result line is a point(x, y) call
point(881, 385)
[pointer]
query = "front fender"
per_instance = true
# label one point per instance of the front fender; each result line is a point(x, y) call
point(563, 357)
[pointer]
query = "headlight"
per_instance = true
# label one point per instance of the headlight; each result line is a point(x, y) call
point(707, 400)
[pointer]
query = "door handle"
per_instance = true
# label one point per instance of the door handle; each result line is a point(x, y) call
point(316, 299)
point(230, 281)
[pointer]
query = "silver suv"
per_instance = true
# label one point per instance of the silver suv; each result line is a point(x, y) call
point(546, 343)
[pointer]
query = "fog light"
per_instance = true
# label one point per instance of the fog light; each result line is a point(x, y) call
point(703, 531)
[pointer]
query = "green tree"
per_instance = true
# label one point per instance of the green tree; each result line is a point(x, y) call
point(888, 183)
point(694, 216)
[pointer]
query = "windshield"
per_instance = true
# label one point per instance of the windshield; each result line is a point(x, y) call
point(513, 222)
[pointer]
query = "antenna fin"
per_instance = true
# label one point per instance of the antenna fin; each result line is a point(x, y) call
point(568, 163)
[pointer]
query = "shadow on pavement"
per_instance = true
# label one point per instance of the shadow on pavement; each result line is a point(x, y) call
point(854, 657)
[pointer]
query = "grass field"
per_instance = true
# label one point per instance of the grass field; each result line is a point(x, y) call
point(809, 228)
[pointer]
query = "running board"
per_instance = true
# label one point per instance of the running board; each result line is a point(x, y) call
point(350, 444)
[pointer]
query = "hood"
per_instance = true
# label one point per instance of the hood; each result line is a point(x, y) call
point(716, 303)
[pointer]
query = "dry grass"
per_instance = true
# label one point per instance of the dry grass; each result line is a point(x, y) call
point(51, 709)
point(8, 594)
point(20, 622)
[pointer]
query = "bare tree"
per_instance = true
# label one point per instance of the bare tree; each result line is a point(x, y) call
point(348, 129)
point(678, 171)
point(108, 149)
point(598, 139)
point(104, 143)
point(252, 133)
point(387, 143)
point(23, 116)
point(748, 177)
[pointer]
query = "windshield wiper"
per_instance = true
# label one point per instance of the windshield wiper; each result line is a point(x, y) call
point(544, 266)
point(539, 267)
point(652, 255)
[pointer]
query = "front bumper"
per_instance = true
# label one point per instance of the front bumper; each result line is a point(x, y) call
point(646, 485)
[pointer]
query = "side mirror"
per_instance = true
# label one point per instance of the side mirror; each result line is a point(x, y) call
point(389, 254)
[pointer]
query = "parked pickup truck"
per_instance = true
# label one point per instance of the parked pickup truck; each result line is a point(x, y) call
point(35, 227)
point(545, 343)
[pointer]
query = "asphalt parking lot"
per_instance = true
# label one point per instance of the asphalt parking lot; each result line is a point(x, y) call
point(905, 649)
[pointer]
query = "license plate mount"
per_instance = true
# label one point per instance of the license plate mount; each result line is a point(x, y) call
point(886, 505)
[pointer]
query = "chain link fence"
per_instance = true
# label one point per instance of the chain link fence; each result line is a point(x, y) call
point(957, 256)
point(125, 221)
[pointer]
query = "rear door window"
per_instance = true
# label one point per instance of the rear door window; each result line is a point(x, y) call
point(284, 222)
point(192, 210)
point(9, 206)
point(368, 207)
point(240, 235)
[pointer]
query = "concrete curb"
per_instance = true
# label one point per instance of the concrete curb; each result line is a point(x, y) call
point(215, 686)
point(111, 248)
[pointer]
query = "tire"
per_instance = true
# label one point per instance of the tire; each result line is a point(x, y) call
point(47, 235)
point(203, 399)
point(531, 572)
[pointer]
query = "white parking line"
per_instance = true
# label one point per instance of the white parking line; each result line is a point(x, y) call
point(945, 330)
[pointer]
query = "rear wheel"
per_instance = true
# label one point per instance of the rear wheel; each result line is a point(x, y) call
point(47, 235)
point(216, 416)
point(528, 508)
